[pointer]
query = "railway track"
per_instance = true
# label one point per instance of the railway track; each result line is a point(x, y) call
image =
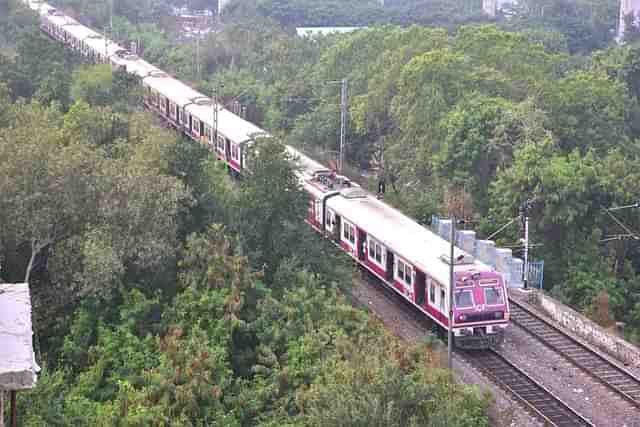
point(616, 378)
point(534, 397)
point(539, 400)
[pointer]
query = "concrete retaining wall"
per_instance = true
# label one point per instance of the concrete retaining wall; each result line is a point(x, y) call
point(586, 329)
point(484, 250)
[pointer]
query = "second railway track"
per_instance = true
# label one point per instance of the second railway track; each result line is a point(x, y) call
point(616, 378)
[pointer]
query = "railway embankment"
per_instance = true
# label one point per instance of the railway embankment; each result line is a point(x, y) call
point(580, 326)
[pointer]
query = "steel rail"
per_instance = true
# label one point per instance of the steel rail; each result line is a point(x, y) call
point(534, 396)
point(615, 377)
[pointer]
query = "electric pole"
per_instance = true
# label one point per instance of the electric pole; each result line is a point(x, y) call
point(343, 121)
point(111, 17)
point(524, 216)
point(452, 238)
point(214, 131)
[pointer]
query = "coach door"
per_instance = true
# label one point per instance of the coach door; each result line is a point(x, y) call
point(190, 123)
point(420, 287)
point(362, 245)
point(390, 265)
point(227, 149)
point(337, 228)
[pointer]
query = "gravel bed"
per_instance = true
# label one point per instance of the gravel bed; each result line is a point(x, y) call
point(503, 412)
point(521, 298)
point(577, 389)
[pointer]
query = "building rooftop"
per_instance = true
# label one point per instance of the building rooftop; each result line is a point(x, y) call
point(322, 31)
point(18, 365)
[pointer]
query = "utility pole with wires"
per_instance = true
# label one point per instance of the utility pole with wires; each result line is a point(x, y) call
point(111, 16)
point(343, 121)
point(524, 218)
point(214, 131)
point(630, 234)
point(344, 85)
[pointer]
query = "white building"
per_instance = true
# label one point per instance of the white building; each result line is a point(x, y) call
point(491, 7)
point(627, 7)
point(18, 365)
point(221, 5)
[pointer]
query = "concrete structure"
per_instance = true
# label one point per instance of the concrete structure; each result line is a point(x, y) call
point(221, 5)
point(627, 7)
point(491, 7)
point(484, 250)
point(323, 31)
point(18, 366)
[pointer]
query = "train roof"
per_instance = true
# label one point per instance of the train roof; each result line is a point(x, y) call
point(135, 64)
point(231, 126)
point(401, 234)
point(60, 19)
point(173, 89)
point(80, 32)
point(96, 42)
point(306, 164)
point(40, 7)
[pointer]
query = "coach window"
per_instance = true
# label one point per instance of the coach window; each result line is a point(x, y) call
point(404, 272)
point(442, 299)
point(196, 126)
point(348, 233)
point(375, 251)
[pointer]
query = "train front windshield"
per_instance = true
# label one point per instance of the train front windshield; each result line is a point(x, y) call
point(493, 296)
point(464, 299)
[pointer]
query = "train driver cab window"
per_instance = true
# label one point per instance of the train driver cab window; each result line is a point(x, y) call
point(404, 272)
point(464, 299)
point(348, 233)
point(493, 296)
point(376, 251)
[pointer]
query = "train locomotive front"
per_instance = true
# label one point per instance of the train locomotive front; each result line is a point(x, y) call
point(481, 309)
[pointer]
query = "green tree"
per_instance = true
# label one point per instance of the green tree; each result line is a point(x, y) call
point(587, 110)
point(271, 207)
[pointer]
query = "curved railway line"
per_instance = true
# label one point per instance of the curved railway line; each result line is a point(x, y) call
point(616, 378)
point(536, 399)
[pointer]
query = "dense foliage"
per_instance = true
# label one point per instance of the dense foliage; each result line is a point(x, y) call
point(166, 294)
point(148, 312)
point(473, 121)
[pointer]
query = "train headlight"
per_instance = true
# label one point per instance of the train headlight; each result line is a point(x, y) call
point(462, 317)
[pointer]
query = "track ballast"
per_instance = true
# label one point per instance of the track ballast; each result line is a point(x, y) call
point(531, 394)
point(616, 378)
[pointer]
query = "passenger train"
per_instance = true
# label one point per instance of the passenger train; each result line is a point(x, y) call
point(402, 254)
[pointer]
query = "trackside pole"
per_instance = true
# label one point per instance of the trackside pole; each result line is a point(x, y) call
point(526, 250)
point(451, 284)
